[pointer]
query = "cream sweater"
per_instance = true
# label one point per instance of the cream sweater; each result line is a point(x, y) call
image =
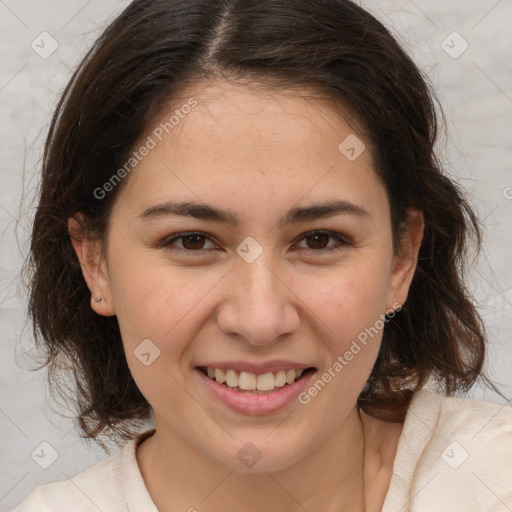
point(454, 455)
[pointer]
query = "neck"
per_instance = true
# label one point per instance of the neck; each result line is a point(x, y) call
point(179, 476)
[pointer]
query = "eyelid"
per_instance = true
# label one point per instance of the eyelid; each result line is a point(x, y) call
point(332, 234)
point(166, 242)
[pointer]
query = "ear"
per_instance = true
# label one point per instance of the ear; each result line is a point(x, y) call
point(94, 267)
point(404, 264)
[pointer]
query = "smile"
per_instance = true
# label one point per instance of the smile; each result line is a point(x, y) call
point(250, 382)
point(252, 394)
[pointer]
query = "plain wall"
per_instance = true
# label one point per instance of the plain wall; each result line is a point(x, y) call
point(475, 89)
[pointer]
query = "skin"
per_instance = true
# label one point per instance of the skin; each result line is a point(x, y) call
point(257, 153)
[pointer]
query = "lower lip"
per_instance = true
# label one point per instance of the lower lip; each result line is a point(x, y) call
point(254, 404)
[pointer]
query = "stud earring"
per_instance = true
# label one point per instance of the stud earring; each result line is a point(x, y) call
point(97, 299)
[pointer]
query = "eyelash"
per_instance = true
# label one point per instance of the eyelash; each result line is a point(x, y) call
point(167, 242)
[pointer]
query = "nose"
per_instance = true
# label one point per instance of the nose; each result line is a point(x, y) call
point(259, 306)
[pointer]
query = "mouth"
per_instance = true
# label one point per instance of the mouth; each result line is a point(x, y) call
point(247, 382)
point(254, 394)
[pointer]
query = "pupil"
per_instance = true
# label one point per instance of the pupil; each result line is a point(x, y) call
point(323, 236)
point(193, 246)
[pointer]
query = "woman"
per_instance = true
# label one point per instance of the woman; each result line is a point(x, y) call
point(244, 234)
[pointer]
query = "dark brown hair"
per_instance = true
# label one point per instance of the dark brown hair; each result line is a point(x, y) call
point(137, 65)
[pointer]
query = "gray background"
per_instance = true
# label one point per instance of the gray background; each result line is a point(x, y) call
point(475, 89)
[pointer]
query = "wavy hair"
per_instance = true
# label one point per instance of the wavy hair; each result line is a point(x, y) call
point(143, 58)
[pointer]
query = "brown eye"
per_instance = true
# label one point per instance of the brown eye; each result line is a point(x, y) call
point(191, 242)
point(317, 241)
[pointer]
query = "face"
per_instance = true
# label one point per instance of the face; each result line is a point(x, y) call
point(256, 280)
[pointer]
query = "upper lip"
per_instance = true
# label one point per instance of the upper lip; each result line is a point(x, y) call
point(257, 368)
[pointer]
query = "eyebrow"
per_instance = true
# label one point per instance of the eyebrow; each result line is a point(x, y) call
point(295, 215)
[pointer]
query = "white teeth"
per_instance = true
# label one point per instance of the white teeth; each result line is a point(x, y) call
point(266, 382)
point(232, 379)
point(280, 378)
point(246, 381)
point(220, 376)
point(251, 382)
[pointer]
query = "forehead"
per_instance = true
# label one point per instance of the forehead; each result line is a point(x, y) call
point(251, 109)
point(219, 141)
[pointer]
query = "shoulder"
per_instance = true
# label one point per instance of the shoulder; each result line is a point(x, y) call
point(96, 488)
point(454, 454)
point(464, 417)
point(463, 430)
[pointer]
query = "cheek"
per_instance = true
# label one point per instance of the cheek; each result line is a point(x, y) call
point(156, 301)
point(162, 304)
point(351, 313)
point(349, 326)
point(348, 302)
point(158, 313)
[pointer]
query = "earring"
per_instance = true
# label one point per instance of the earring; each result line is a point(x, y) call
point(97, 299)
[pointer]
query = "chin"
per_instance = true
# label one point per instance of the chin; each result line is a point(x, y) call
point(261, 456)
